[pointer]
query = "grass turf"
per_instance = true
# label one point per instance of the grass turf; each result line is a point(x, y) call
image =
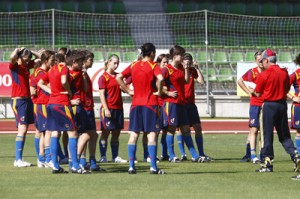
point(226, 177)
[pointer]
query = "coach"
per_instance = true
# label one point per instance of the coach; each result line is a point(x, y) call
point(273, 85)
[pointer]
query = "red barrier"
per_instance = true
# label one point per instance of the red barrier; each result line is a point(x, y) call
point(5, 80)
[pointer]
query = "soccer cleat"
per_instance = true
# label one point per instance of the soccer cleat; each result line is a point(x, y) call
point(297, 164)
point(65, 160)
point(158, 171)
point(49, 164)
point(103, 159)
point(40, 164)
point(210, 159)
point(200, 159)
point(79, 171)
point(149, 160)
point(96, 168)
point(21, 163)
point(255, 160)
point(131, 170)
point(296, 177)
point(60, 170)
point(119, 160)
point(266, 166)
point(245, 159)
point(183, 158)
point(164, 158)
point(174, 160)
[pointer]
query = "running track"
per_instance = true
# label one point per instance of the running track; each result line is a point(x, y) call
point(208, 126)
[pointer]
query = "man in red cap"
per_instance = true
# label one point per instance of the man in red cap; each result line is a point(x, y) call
point(273, 85)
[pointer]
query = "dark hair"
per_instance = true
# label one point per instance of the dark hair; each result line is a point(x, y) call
point(88, 54)
point(46, 55)
point(24, 52)
point(147, 49)
point(176, 50)
point(66, 51)
point(187, 56)
point(297, 59)
point(59, 58)
point(160, 58)
point(258, 53)
point(76, 56)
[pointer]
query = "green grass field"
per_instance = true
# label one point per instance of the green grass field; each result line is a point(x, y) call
point(226, 177)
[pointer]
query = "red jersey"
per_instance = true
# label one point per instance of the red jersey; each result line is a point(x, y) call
point(77, 85)
point(295, 81)
point(161, 99)
point(189, 88)
point(20, 79)
point(89, 99)
point(273, 83)
point(54, 78)
point(112, 90)
point(251, 76)
point(43, 96)
point(143, 75)
point(175, 82)
point(33, 83)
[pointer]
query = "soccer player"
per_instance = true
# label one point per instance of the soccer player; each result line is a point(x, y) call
point(59, 112)
point(193, 115)
point(147, 81)
point(174, 111)
point(20, 63)
point(273, 85)
point(254, 110)
point(111, 112)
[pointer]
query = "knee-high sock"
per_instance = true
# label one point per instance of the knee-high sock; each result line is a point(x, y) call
point(103, 147)
point(170, 144)
point(19, 147)
point(114, 149)
point(164, 148)
point(37, 145)
point(54, 141)
point(73, 152)
point(131, 154)
point(199, 142)
point(152, 154)
point(180, 142)
point(189, 143)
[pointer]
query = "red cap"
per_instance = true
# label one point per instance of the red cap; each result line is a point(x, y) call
point(268, 53)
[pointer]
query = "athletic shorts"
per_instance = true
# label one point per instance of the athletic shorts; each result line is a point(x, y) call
point(254, 112)
point(295, 117)
point(174, 115)
point(116, 121)
point(144, 118)
point(193, 114)
point(90, 120)
point(80, 118)
point(23, 110)
point(41, 110)
point(60, 118)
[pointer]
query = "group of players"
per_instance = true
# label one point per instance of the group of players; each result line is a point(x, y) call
point(58, 98)
point(268, 109)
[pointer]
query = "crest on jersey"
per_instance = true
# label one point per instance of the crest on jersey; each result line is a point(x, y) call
point(157, 126)
point(22, 118)
point(67, 126)
point(297, 122)
point(172, 120)
point(108, 123)
point(252, 121)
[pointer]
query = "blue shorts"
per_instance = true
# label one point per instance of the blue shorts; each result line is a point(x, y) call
point(41, 110)
point(254, 112)
point(80, 118)
point(60, 118)
point(295, 117)
point(193, 114)
point(174, 115)
point(23, 110)
point(116, 121)
point(144, 118)
point(90, 120)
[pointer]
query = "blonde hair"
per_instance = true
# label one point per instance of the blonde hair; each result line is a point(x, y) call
point(109, 59)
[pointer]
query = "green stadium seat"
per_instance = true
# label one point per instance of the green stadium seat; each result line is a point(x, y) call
point(253, 8)
point(77, 40)
point(98, 56)
point(216, 41)
point(279, 41)
point(118, 8)
point(293, 41)
point(201, 57)
point(34, 6)
point(189, 6)
point(68, 6)
point(51, 5)
point(6, 55)
point(18, 6)
point(42, 40)
point(263, 42)
point(284, 56)
point(236, 57)
point(284, 9)
point(108, 54)
point(121, 24)
point(225, 75)
point(237, 8)
point(101, 7)
point(85, 6)
point(212, 75)
point(197, 40)
point(20, 24)
point(220, 57)
point(61, 40)
point(93, 40)
point(231, 41)
point(268, 9)
point(173, 7)
point(130, 56)
point(110, 41)
point(126, 41)
point(183, 41)
point(7, 41)
point(249, 56)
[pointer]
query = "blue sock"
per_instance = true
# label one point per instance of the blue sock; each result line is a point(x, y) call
point(199, 142)
point(131, 154)
point(248, 152)
point(60, 152)
point(297, 143)
point(170, 144)
point(114, 149)
point(70, 163)
point(37, 145)
point(41, 158)
point(19, 147)
point(93, 162)
point(180, 145)
point(47, 154)
point(82, 160)
point(73, 152)
point(253, 154)
point(152, 153)
point(189, 143)
point(146, 153)
point(164, 148)
point(103, 147)
point(53, 148)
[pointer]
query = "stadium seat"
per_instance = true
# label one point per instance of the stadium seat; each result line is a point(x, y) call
point(61, 40)
point(101, 7)
point(130, 56)
point(284, 56)
point(182, 40)
point(121, 24)
point(42, 41)
point(278, 41)
point(263, 42)
point(6, 55)
point(189, 6)
point(268, 9)
point(249, 56)
point(197, 40)
point(236, 57)
point(126, 41)
point(220, 57)
point(108, 54)
point(98, 56)
point(85, 6)
point(18, 6)
point(284, 9)
point(110, 41)
point(212, 74)
point(118, 8)
point(232, 41)
point(216, 41)
point(225, 75)
point(173, 7)
point(237, 8)
point(201, 57)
